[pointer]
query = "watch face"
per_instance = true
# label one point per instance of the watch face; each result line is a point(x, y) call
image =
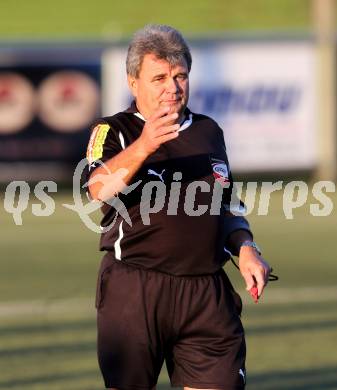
point(257, 248)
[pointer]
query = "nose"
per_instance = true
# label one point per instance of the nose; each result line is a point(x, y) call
point(172, 85)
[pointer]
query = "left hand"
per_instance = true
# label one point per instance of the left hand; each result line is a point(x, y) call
point(254, 269)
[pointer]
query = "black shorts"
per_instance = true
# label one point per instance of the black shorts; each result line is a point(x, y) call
point(145, 317)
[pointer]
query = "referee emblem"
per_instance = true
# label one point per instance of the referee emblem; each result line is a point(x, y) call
point(220, 171)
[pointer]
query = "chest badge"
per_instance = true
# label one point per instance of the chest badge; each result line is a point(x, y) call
point(220, 171)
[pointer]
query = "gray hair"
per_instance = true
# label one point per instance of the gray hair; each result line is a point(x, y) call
point(163, 41)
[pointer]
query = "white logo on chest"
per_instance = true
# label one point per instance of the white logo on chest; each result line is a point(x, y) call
point(154, 173)
point(241, 372)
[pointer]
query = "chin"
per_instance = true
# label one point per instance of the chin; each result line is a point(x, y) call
point(179, 108)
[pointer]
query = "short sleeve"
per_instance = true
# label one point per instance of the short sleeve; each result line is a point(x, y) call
point(104, 144)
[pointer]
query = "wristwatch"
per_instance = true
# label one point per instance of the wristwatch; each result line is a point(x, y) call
point(252, 244)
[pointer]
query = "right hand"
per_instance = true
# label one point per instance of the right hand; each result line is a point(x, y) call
point(158, 129)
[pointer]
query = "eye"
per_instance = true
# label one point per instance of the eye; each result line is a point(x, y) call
point(181, 76)
point(158, 79)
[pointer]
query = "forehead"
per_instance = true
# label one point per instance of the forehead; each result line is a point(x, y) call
point(154, 65)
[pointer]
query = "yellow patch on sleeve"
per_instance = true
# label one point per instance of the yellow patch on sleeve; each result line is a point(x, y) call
point(96, 143)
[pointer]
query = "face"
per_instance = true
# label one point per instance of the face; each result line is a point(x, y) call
point(159, 84)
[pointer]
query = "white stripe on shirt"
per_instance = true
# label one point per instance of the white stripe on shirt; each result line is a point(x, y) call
point(118, 250)
point(122, 141)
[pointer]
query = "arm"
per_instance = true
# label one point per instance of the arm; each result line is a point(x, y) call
point(158, 129)
point(254, 269)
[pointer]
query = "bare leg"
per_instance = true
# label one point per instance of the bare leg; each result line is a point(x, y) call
point(191, 388)
point(113, 388)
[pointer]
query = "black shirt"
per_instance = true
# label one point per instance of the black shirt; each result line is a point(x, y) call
point(187, 181)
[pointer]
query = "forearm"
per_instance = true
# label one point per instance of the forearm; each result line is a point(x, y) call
point(236, 231)
point(236, 239)
point(107, 181)
point(128, 161)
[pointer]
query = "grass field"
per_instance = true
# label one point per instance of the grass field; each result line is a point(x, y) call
point(48, 266)
point(47, 321)
point(115, 19)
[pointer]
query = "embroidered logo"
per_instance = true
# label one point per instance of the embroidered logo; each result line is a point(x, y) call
point(220, 171)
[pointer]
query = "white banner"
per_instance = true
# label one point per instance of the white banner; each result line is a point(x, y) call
point(262, 94)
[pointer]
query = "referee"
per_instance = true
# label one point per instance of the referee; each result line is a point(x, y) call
point(162, 294)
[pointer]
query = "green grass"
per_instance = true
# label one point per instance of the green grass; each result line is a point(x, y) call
point(115, 19)
point(49, 266)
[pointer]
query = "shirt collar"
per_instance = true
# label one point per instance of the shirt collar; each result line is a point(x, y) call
point(187, 121)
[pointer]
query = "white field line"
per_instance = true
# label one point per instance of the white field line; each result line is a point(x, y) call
point(48, 307)
point(86, 305)
point(273, 295)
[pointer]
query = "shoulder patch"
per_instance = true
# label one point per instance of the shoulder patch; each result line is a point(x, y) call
point(96, 142)
point(220, 171)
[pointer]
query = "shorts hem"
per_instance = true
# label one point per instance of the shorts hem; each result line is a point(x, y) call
point(207, 385)
point(128, 387)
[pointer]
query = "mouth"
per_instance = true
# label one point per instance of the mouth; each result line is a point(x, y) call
point(171, 102)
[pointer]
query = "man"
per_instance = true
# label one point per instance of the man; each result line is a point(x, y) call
point(162, 293)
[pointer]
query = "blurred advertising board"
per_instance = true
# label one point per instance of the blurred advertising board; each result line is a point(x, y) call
point(262, 93)
point(48, 98)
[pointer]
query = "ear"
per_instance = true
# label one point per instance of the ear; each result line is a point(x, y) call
point(132, 82)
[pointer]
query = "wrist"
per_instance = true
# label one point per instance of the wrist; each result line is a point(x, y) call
point(250, 245)
point(140, 151)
